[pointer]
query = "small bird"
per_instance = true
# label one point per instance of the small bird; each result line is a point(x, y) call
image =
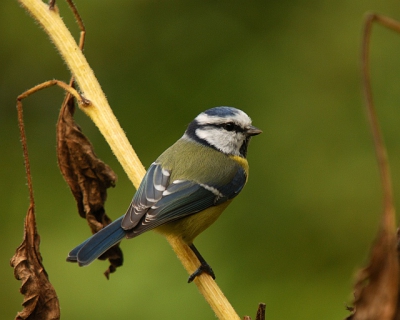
point(186, 189)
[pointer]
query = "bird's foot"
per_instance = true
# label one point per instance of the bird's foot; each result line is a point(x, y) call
point(204, 268)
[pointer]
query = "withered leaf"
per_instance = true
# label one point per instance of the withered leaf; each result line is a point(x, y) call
point(376, 288)
point(260, 313)
point(87, 176)
point(377, 285)
point(40, 298)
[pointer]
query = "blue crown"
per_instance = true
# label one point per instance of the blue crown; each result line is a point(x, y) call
point(222, 112)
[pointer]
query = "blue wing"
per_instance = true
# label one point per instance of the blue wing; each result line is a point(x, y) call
point(157, 201)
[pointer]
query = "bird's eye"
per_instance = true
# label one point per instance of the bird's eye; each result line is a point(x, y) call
point(229, 126)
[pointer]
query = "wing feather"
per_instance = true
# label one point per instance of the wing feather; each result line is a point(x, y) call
point(158, 200)
point(186, 200)
point(150, 192)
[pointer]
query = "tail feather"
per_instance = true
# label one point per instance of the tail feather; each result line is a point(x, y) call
point(97, 244)
point(73, 255)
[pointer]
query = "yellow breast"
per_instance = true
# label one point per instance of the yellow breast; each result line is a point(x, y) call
point(190, 227)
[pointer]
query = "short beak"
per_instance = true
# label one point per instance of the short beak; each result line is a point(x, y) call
point(253, 131)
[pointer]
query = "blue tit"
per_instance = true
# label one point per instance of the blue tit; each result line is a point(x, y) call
point(186, 189)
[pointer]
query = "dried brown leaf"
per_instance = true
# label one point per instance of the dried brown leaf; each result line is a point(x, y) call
point(376, 288)
point(87, 176)
point(260, 313)
point(40, 298)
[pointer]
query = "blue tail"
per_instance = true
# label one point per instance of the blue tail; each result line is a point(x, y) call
point(97, 244)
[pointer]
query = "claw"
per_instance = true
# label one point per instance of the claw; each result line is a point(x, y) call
point(204, 268)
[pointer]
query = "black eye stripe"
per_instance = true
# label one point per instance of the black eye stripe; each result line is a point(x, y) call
point(229, 126)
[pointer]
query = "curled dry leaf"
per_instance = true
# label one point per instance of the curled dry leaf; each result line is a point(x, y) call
point(87, 176)
point(376, 288)
point(40, 298)
point(377, 285)
point(260, 313)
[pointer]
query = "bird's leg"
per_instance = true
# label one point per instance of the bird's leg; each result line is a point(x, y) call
point(204, 266)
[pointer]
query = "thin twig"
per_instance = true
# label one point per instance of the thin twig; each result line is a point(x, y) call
point(79, 21)
point(25, 152)
point(376, 288)
point(380, 149)
point(81, 100)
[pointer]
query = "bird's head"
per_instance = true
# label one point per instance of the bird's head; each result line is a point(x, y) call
point(225, 129)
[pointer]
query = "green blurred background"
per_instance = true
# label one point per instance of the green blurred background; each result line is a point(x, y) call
point(306, 219)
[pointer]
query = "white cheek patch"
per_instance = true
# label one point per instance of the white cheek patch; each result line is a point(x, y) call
point(228, 142)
